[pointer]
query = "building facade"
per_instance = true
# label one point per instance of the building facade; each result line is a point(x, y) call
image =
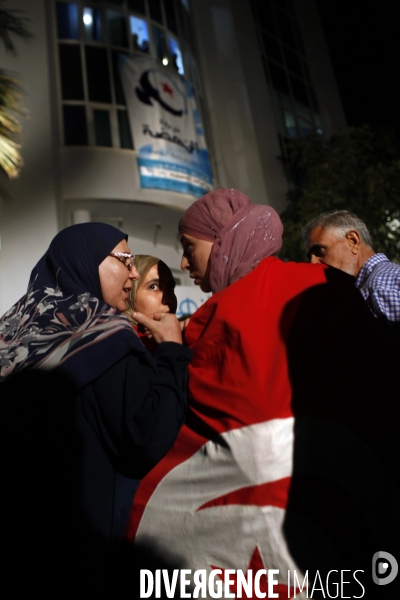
point(260, 73)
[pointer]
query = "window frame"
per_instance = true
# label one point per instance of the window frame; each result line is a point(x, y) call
point(304, 79)
point(113, 107)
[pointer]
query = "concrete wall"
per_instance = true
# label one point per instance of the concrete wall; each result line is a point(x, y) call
point(238, 104)
point(29, 211)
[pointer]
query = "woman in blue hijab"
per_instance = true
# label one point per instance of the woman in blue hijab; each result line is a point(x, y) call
point(86, 410)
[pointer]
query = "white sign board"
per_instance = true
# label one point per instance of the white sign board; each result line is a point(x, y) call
point(166, 127)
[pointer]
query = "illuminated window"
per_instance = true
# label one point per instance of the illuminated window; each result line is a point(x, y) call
point(67, 21)
point(140, 34)
point(176, 55)
point(92, 25)
point(92, 34)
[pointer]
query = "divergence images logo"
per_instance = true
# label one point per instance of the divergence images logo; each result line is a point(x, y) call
point(384, 568)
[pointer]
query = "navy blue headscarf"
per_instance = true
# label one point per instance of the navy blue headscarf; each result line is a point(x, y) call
point(62, 321)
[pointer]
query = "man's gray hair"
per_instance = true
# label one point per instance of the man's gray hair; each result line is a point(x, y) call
point(341, 221)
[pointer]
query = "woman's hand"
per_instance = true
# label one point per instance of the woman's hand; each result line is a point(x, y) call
point(163, 327)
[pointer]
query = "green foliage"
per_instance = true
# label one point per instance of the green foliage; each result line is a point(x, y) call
point(11, 23)
point(357, 170)
point(10, 128)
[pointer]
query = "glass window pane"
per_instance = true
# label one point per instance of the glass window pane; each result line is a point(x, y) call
point(305, 128)
point(286, 4)
point(314, 100)
point(285, 28)
point(170, 15)
point(102, 127)
point(306, 71)
point(137, 6)
point(279, 78)
point(98, 76)
point(184, 23)
point(124, 130)
point(176, 56)
point(293, 62)
point(75, 130)
point(119, 90)
point(299, 91)
point(272, 48)
point(303, 111)
point(92, 25)
point(67, 21)
point(71, 72)
point(155, 10)
point(160, 45)
point(299, 38)
point(140, 34)
point(290, 124)
point(318, 122)
point(286, 100)
point(116, 24)
point(266, 17)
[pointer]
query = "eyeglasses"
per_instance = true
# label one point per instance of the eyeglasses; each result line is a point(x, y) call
point(125, 257)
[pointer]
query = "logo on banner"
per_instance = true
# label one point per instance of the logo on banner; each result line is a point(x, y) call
point(161, 88)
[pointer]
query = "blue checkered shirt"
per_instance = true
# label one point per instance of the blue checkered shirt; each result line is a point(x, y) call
point(379, 284)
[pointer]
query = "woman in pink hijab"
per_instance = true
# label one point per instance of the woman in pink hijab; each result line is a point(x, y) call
point(225, 236)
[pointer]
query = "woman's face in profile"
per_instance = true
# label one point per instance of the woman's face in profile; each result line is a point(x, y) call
point(195, 259)
point(116, 279)
point(156, 294)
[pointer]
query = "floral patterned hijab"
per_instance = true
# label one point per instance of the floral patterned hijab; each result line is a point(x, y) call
point(62, 321)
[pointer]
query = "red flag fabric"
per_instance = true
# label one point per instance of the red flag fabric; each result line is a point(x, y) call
point(288, 451)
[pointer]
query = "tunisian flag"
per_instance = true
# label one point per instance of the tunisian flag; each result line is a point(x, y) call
point(286, 460)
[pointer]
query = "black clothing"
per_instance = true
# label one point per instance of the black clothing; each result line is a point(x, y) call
point(129, 419)
point(71, 467)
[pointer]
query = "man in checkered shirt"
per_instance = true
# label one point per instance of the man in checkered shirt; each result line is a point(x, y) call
point(340, 239)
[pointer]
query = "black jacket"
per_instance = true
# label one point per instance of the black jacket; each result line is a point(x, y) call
point(71, 465)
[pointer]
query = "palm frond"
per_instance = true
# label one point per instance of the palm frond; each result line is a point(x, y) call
point(12, 23)
point(10, 128)
point(10, 156)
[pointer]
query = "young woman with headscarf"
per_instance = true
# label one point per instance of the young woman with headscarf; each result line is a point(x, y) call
point(86, 411)
point(285, 461)
point(152, 293)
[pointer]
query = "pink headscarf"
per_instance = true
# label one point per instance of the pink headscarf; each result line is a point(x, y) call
point(243, 233)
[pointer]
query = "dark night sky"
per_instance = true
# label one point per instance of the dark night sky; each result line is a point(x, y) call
point(362, 39)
